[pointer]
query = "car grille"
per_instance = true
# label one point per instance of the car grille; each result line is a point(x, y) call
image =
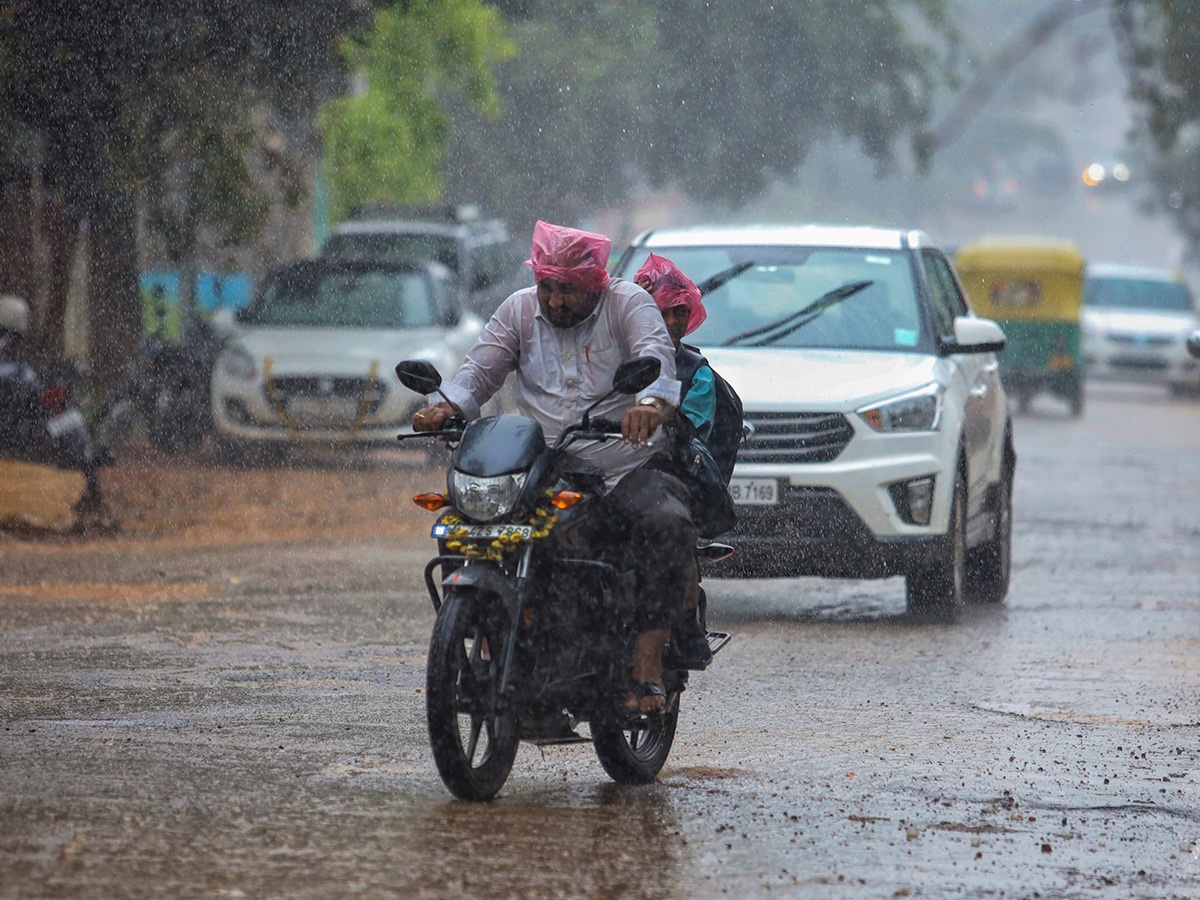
point(791, 437)
point(1142, 340)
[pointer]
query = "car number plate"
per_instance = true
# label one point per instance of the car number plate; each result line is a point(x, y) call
point(754, 491)
point(482, 532)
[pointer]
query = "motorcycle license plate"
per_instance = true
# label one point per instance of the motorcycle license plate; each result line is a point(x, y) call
point(754, 491)
point(482, 532)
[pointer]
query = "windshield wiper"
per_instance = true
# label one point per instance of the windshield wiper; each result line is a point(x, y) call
point(708, 285)
point(795, 321)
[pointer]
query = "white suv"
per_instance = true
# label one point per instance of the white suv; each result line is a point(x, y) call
point(879, 437)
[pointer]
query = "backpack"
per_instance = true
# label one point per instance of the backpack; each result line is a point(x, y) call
point(726, 435)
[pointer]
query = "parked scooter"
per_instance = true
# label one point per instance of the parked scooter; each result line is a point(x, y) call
point(533, 634)
point(166, 386)
point(39, 420)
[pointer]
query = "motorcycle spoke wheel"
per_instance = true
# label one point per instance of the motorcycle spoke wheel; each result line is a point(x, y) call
point(473, 744)
point(634, 751)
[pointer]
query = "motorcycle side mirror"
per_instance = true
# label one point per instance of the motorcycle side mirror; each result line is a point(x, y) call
point(1193, 344)
point(636, 374)
point(419, 376)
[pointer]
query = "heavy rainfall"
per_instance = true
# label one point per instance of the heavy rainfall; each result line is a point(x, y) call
point(934, 259)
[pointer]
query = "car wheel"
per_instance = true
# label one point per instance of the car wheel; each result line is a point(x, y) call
point(990, 566)
point(1075, 398)
point(935, 592)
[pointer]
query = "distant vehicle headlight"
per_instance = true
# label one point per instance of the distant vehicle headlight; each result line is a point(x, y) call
point(484, 499)
point(919, 410)
point(238, 363)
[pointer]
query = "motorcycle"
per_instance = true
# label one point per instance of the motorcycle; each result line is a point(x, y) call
point(534, 633)
point(41, 423)
point(166, 385)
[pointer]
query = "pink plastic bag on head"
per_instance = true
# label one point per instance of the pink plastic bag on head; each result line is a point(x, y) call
point(670, 287)
point(568, 254)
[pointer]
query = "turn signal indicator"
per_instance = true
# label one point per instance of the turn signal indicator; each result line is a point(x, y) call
point(565, 499)
point(430, 501)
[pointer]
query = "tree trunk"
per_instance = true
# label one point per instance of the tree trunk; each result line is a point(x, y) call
point(62, 237)
point(114, 301)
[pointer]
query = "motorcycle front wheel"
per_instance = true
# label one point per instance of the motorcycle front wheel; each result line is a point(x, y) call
point(635, 751)
point(473, 744)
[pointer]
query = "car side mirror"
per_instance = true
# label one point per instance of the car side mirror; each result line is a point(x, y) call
point(419, 376)
point(1193, 344)
point(636, 374)
point(973, 335)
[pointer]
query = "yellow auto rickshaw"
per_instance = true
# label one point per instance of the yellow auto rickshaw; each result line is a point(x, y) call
point(1034, 289)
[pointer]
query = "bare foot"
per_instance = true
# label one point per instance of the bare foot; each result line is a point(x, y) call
point(647, 667)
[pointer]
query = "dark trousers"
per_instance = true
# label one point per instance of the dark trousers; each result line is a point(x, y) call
point(645, 527)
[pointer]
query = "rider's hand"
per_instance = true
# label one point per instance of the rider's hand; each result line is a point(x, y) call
point(639, 424)
point(431, 417)
point(644, 283)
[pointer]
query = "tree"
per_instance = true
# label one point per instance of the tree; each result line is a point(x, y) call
point(386, 142)
point(714, 98)
point(1161, 44)
point(119, 98)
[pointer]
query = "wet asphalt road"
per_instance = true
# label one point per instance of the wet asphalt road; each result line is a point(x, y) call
point(246, 721)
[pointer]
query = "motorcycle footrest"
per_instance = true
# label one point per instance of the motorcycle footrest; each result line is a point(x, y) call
point(717, 640)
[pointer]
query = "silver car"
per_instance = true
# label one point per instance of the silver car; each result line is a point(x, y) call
point(1136, 322)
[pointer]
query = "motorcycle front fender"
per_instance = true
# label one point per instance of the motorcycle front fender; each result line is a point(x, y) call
point(486, 579)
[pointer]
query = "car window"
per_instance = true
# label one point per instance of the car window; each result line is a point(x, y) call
point(870, 299)
point(1137, 293)
point(401, 249)
point(945, 301)
point(345, 299)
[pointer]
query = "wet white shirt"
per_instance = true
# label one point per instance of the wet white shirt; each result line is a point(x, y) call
point(560, 372)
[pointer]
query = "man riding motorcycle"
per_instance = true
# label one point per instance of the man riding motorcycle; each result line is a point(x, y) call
point(564, 339)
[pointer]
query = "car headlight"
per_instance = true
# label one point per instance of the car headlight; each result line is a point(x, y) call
point(484, 499)
point(236, 362)
point(919, 410)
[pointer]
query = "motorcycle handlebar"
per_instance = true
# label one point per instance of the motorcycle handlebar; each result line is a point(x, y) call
point(608, 426)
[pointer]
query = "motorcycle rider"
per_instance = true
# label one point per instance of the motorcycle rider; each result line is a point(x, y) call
point(564, 339)
point(32, 432)
point(679, 300)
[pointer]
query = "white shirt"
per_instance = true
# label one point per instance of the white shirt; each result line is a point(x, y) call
point(560, 372)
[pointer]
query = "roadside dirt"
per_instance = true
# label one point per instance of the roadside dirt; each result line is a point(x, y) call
point(199, 500)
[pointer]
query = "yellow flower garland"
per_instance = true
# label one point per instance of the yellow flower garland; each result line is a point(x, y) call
point(543, 520)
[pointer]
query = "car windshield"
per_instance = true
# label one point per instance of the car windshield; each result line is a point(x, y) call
point(401, 249)
point(344, 298)
point(1137, 293)
point(802, 296)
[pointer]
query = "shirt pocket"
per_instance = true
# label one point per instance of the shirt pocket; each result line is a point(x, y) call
point(599, 360)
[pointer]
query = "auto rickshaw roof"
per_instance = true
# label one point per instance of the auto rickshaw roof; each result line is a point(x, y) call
point(1020, 253)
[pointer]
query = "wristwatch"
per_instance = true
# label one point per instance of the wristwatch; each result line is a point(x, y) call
point(656, 403)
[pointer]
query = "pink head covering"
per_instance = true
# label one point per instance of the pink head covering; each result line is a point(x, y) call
point(570, 255)
point(670, 288)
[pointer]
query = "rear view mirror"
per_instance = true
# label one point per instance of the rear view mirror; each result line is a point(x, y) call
point(637, 374)
point(1193, 344)
point(419, 376)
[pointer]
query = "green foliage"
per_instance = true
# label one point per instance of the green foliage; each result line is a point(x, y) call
point(713, 98)
point(386, 142)
point(1161, 40)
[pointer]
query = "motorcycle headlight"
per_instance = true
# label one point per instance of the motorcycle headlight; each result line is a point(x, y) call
point(238, 363)
point(919, 410)
point(484, 499)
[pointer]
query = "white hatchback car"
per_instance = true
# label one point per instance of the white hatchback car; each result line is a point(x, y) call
point(879, 438)
point(1136, 322)
point(311, 358)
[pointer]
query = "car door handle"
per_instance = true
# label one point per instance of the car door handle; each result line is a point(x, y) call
point(980, 390)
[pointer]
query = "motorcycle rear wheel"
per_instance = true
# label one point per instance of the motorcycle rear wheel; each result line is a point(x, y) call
point(635, 752)
point(473, 746)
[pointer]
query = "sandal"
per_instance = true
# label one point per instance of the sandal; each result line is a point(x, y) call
point(639, 690)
